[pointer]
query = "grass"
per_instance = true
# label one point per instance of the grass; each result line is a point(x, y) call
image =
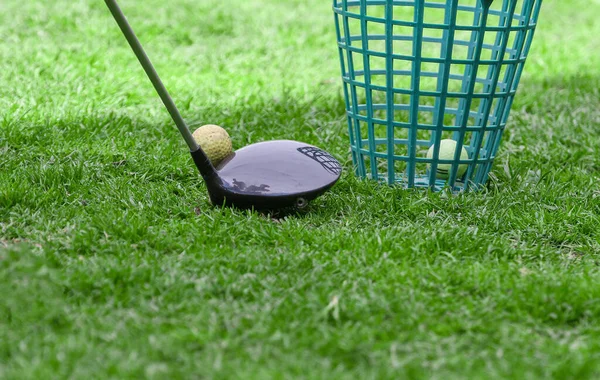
point(114, 265)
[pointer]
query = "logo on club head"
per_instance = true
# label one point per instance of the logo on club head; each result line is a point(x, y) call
point(329, 163)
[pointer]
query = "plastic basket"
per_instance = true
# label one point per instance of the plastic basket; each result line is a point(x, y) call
point(416, 72)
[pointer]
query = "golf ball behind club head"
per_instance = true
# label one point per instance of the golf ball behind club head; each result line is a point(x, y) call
point(214, 141)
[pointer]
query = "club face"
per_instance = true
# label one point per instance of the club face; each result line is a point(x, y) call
point(273, 175)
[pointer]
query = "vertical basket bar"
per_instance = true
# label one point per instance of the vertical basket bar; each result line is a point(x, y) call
point(414, 99)
point(345, 86)
point(389, 93)
point(360, 164)
point(482, 20)
point(512, 74)
point(484, 112)
point(368, 91)
point(448, 37)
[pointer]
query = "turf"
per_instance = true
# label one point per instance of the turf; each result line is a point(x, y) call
point(113, 264)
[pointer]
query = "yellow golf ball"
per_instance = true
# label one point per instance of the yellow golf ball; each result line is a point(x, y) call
point(447, 151)
point(214, 141)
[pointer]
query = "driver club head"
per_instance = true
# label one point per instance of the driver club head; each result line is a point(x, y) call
point(270, 175)
point(264, 176)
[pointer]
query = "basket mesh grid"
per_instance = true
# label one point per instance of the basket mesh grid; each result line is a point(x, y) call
point(416, 72)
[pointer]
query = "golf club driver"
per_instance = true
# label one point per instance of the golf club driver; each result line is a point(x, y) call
point(265, 176)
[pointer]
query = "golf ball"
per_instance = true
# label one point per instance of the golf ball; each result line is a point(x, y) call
point(447, 152)
point(214, 141)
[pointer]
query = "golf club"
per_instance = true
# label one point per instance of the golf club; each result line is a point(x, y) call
point(267, 175)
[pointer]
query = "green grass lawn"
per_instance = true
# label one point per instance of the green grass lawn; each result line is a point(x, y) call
point(114, 264)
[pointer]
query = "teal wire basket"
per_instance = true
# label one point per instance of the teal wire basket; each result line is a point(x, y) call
point(421, 71)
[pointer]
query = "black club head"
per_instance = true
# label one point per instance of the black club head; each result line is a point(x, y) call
point(270, 175)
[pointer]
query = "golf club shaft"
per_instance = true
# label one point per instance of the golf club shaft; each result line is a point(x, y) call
point(137, 48)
